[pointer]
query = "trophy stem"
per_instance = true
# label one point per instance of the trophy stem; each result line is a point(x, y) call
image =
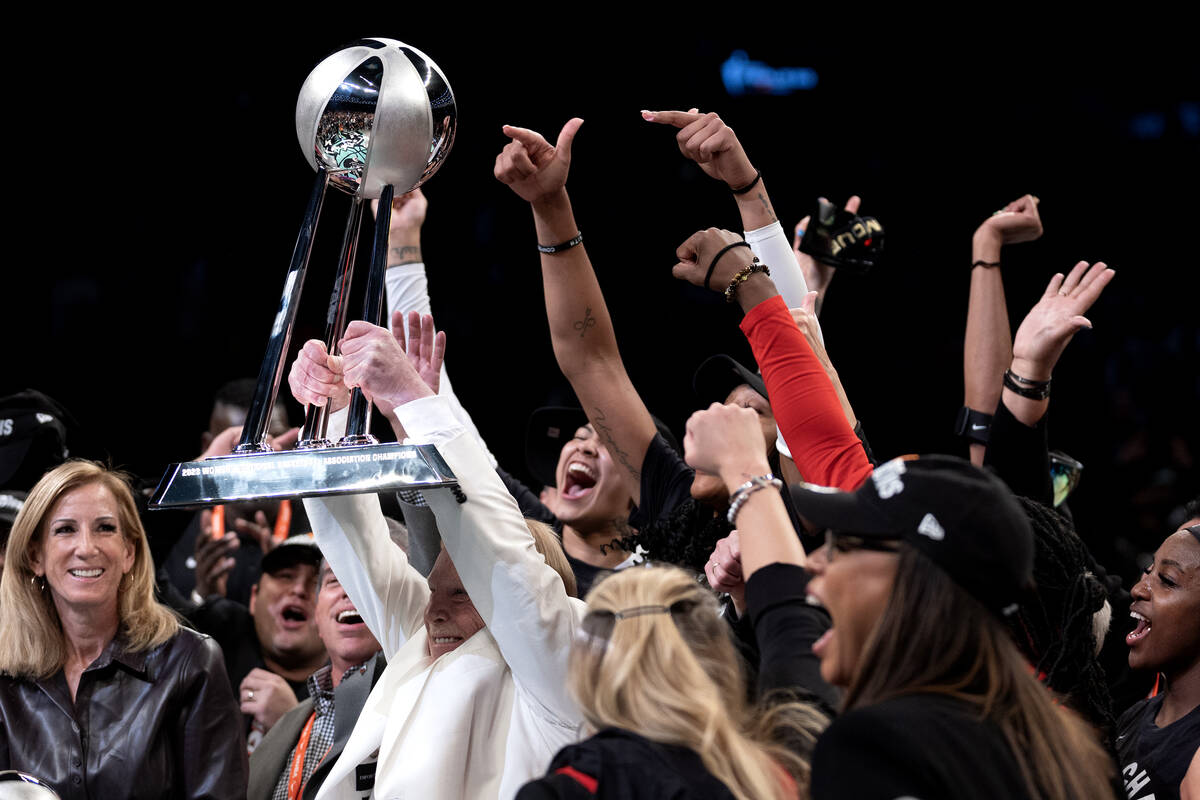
point(360, 407)
point(316, 418)
point(254, 433)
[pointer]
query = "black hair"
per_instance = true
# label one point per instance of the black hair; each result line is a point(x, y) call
point(1191, 509)
point(1053, 627)
point(238, 393)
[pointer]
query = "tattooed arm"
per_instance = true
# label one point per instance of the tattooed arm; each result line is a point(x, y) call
point(716, 149)
point(580, 327)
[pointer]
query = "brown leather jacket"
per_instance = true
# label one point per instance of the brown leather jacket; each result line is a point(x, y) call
point(157, 724)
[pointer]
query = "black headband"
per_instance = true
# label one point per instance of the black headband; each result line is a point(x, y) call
point(1194, 531)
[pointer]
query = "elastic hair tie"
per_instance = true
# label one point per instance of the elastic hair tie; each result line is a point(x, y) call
point(712, 267)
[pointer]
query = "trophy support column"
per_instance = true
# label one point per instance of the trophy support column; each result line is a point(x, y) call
point(316, 418)
point(254, 432)
point(360, 408)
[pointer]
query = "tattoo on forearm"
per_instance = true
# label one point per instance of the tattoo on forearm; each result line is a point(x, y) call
point(406, 254)
point(606, 433)
point(766, 204)
point(588, 321)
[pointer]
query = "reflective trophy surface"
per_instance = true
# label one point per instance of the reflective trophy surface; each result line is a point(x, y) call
point(374, 117)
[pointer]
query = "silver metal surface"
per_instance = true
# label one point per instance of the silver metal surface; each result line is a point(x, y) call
point(302, 473)
point(376, 113)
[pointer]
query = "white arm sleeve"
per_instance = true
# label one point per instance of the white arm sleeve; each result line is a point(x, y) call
point(771, 245)
point(408, 290)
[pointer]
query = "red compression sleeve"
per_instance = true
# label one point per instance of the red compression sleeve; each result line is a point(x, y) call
point(804, 402)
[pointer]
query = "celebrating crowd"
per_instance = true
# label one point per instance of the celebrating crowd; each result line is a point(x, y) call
point(759, 609)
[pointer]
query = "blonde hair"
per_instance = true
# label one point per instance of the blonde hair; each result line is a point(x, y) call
point(550, 546)
point(32, 643)
point(675, 678)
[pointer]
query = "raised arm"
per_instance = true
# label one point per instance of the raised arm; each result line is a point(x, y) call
point(408, 289)
point(713, 145)
point(581, 330)
point(987, 345)
point(388, 592)
point(521, 599)
point(1021, 458)
point(805, 404)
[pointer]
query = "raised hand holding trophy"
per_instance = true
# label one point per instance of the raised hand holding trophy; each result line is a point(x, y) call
point(375, 116)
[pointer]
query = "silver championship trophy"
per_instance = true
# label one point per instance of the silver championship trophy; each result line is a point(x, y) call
point(375, 117)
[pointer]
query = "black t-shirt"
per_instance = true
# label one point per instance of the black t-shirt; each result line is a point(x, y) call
point(922, 746)
point(1153, 759)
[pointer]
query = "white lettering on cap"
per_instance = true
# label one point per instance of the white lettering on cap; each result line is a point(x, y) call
point(6, 427)
point(44, 418)
point(887, 478)
point(931, 527)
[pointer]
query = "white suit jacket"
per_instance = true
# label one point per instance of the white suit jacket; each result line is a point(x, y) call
point(487, 717)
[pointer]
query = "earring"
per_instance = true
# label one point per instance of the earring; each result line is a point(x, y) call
point(39, 581)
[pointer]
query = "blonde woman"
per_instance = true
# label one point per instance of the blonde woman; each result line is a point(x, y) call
point(102, 692)
point(659, 683)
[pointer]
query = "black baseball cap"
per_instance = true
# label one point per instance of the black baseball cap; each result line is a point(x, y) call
point(550, 427)
point(299, 549)
point(719, 375)
point(963, 518)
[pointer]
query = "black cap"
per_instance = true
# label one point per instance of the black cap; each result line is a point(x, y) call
point(963, 518)
point(299, 549)
point(550, 427)
point(34, 430)
point(719, 375)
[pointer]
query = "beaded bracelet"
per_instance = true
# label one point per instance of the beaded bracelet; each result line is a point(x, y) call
point(742, 276)
point(748, 488)
point(558, 248)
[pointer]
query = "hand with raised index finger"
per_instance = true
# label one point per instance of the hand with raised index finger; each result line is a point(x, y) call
point(707, 140)
point(1057, 316)
point(531, 166)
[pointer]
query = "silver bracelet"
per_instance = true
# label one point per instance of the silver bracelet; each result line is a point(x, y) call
point(743, 492)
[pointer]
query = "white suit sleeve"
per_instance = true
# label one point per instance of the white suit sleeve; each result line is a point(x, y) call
point(388, 592)
point(408, 290)
point(522, 600)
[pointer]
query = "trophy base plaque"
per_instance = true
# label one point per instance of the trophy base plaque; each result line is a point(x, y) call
point(303, 473)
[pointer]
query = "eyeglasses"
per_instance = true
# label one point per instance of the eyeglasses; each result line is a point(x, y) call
point(838, 542)
point(597, 626)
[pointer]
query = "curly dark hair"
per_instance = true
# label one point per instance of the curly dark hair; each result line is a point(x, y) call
point(1054, 627)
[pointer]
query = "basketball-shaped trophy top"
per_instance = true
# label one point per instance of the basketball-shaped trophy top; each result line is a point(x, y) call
point(377, 112)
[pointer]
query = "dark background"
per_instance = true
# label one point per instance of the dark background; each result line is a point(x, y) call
point(145, 273)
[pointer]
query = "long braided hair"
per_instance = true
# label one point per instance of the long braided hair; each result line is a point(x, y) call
point(1054, 628)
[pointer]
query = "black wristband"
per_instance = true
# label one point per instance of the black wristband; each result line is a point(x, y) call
point(558, 248)
point(982, 263)
point(711, 267)
point(750, 185)
point(974, 426)
point(1026, 387)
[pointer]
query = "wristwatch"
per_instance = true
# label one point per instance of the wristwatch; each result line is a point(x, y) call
point(972, 425)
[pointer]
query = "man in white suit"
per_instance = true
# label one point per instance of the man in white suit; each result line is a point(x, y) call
point(473, 702)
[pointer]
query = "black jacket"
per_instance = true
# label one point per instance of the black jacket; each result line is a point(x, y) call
point(157, 724)
point(621, 765)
